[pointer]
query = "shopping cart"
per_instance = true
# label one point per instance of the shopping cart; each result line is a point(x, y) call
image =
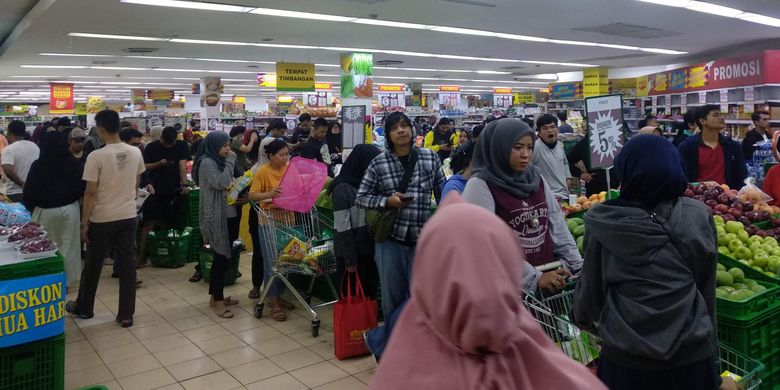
point(552, 314)
point(299, 243)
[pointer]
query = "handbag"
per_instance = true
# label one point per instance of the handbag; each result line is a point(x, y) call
point(352, 316)
point(381, 220)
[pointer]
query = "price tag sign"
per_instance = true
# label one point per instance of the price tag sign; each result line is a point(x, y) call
point(749, 95)
point(668, 104)
point(724, 95)
point(702, 97)
point(604, 118)
point(683, 102)
point(654, 100)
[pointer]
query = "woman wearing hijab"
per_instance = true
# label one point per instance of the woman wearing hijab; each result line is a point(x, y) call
point(353, 245)
point(213, 172)
point(335, 142)
point(453, 336)
point(649, 278)
point(52, 192)
point(505, 182)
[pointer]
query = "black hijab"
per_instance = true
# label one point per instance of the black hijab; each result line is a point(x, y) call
point(54, 179)
point(355, 167)
point(650, 171)
point(334, 141)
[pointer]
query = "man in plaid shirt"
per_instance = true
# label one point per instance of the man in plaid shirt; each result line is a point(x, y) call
point(378, 189)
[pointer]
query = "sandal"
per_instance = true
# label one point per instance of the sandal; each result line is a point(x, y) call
point(286, 305)
point(278, 314)
point(228, 302)
point(254, 293)
point(196, 277)
point(225, 314)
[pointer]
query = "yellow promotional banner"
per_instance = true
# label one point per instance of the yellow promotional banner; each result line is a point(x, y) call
point(266, 80)
point(294, 77)
point(625, 87)
point(81, 108)
point(239, 99)
point(94, 104)
point(525, 97)
point(642, 86)
point(502, 91)
point(595, 81)
point(323, 86)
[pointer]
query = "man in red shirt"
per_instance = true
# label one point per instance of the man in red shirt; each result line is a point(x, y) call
point(711, 156)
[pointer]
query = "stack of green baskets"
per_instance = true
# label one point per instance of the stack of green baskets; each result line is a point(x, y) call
point(753, 327)
point(170, 249)
point(39, 365)
point(187, 216)
point(206, 257)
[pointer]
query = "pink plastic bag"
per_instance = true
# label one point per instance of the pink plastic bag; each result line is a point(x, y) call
point(301, 185)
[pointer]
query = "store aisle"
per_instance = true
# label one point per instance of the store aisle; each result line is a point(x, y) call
point(178, 343)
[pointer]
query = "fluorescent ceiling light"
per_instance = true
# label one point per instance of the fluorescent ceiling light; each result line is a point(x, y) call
point(191, 5)
point(116, 68)
point(324, 65)
point(283, 46)
point(492, 72)
point(55, 66)
point(390, 23)
point(522, 37)
point(302, 15)
point(576, 43)
point(662, 51)
point(670, 3)
point(622, 47)
point(75, 55)
point(112, 36)
point(714, 9)
point(179, 70)
point(209, 42)
point(760, 19)
point(465, 31)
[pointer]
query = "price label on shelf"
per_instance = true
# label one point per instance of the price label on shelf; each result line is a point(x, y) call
point(683, 102)
point(668, 104)
point(655, 100)
point(724, 95)
point(702, 97)
point(724, 108)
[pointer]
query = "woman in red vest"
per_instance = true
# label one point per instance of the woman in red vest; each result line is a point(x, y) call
point(504, 182)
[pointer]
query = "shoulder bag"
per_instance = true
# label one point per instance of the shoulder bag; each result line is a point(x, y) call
point(381, 220)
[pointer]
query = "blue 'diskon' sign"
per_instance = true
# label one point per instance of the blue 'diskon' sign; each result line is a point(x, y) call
point(31, 309)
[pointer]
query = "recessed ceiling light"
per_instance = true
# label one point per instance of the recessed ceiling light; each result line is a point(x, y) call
point(112, 36)
point(191, 5)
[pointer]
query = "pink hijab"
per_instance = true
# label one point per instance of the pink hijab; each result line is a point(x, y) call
point(465, 326)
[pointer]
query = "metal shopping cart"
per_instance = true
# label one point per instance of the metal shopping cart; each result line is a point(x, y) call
point(552, 314)
point(299, 243)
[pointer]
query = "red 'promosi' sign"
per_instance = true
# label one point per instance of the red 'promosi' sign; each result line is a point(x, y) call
point(502, 91)
point(396, 88)
point(60, 98)
point(449, 88)
point(753, 69)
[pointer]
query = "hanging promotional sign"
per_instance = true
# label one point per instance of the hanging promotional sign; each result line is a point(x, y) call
point(160, 97)
point(292, 77)
point(563, 91)
point(322, 86)
point(391, 95)
point(393, 88)
point(60, 98)
point(317, 99)
point(502, 97)
point(239, 99)
point(449, 88)
point(523, 97)
point(502, 91)
point(94, 104)
point(604, 118)
point(357, 70)
point(266, 80)
point(81, 108)
point(210, 91)
point(595, 81)
point(31, 309)
point(625, 87)
point(722, 73)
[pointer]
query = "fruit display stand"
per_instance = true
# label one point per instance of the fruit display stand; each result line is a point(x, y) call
point(32, 343)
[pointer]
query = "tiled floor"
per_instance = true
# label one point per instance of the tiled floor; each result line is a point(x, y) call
point(178, 343)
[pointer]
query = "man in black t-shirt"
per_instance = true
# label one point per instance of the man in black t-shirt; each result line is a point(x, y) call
point(165, 161)
point(301, 133)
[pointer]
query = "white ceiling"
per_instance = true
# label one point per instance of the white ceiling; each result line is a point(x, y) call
point(697, 33)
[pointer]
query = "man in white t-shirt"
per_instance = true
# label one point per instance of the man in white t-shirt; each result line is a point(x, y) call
point(109, 218)
point(17, 159)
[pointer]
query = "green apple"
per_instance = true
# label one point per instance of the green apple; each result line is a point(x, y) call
point(761, 260)
point(775, 252)
point(718, 220)
point(724, 250)
point(736, 243)
point(720, 229)
point(731, 236)
point(757, 268)
point(734, 227)
point(722, 239)
point(770, 240)
point(752, 239)
point(774, 263)
point(744, 236)
point(743, 253)
point(767, 248)
point(754, 246)
point(747, 263)
point(759, 252)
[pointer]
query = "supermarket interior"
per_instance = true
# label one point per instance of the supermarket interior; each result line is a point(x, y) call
point(389, 194)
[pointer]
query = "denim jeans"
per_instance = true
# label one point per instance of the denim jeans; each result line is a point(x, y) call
point(394, 263)
point(269, 258)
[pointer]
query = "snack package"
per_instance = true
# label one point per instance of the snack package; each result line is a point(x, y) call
point(295, 249)
point(732, 375)
point(13, 213)
point(238, 185)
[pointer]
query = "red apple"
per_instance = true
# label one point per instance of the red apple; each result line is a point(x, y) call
point(735, 212)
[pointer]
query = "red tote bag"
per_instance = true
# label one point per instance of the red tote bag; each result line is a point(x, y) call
point(352, 315)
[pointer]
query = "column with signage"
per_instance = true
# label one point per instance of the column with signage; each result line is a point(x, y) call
point(357, 90)
point(210, 94)
point(391, 96)
point(595, 81)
